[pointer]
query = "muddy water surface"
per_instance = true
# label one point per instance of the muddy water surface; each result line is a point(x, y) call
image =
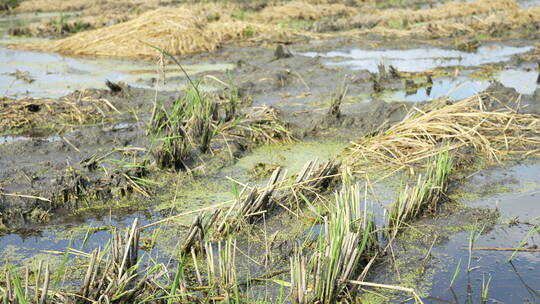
point(515, 192)
point(51, 75)
point(523, 79)
point(418, 60)
point(86, 232)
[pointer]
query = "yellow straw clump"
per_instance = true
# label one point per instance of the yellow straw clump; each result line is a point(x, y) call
point(473, 122)
point(182, 30)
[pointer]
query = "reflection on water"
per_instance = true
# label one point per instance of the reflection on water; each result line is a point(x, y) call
point(81, 234)
point(456, 89)
point(54, 75)
point(11, 138)
point(10, 21)
point(417, 60)
point(7, 139)
point(528, 3)
point(523, 81)
point(516, 282)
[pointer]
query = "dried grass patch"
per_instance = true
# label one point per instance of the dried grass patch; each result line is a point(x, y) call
point(493, 19)
point(79, 5)
point(184, 29)
point(448, 11)
point(306, 11)
point(179, 31)
point(481, 122)
point(38, 112)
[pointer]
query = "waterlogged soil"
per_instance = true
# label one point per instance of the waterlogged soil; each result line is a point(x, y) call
point(42, 212)
point(497, 208)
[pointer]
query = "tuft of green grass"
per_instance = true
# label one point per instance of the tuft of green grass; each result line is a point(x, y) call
point(485, 289)
point(347, 242)
point(429, 191)
point(524, 242)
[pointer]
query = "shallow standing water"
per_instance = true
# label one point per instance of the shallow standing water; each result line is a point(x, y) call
point(418, 60)
point(522, 79)
point(517, 197)
point(53, 75)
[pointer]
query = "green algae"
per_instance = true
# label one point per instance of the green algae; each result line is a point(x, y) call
point(204, 191)
point(293, 156)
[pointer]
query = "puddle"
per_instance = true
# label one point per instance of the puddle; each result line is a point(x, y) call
point(57, 237)
point(515, 191)
point(9, 21)
point(523, 81)
point(8, 139)
point(11, 138)
point(55, 76)
point(456, 89)
point(418, 60)
point(52, 75)
point(294, 156)
point(205, 191)
point(515, 282)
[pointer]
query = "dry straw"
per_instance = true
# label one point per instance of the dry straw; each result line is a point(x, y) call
point(448, 11)
point(482, 122)
point(491, 17)
point(77, 5)
point(179, 31)
point(187, 29)
point(305, 11)
point(76, 108)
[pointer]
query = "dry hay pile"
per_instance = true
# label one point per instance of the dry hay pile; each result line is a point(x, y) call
point(90, 15)
point(179, 31)
point(42, 112)
point(481, 122)
point(306, 11)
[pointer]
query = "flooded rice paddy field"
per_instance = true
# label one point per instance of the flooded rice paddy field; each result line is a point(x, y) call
point(269, 132)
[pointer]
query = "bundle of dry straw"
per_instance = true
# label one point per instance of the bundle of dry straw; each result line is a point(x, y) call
point(481, 122)
point(179, 31)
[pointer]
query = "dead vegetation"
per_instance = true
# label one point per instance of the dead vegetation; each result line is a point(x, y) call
point(191, 28)
point(305, 11)
point(178, 31)
point(36, 113)
point(483, 123)
point(482, 18)
point(280, 191)
point(181, 30)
